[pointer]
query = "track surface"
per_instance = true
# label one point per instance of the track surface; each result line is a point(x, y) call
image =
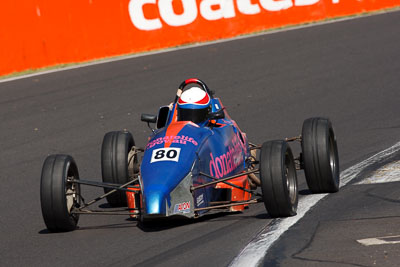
point(348, 71)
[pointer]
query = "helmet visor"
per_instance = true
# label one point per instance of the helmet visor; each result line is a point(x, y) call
point(194, 115)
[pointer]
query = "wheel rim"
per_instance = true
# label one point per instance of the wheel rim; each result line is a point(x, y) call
point(332, 155)
point(290, 178)
point(72, 193)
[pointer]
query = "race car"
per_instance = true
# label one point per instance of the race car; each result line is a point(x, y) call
point(196, 160)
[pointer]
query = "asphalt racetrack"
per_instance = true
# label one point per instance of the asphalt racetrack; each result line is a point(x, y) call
point(348, 71)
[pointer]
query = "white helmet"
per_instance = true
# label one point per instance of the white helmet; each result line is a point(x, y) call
point(193, 105)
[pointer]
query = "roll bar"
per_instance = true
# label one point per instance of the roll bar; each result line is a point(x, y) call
point(196, 81)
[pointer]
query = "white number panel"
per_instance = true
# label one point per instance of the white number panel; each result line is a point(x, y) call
point(165, 154)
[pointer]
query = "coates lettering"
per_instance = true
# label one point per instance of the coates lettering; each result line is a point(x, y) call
point(178, 139)
point(210, 10)
point(228, 162)
point(182, 207)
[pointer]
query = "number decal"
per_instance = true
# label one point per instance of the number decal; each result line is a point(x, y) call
point(159, 155)
point(165, 154)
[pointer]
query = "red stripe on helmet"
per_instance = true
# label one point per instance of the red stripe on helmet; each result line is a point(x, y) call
point(180, 101)
point(204, 101)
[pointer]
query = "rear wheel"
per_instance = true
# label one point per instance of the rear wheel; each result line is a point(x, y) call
point(114, 164)
point(320, 156)
point(278, 179)
point(59, 196)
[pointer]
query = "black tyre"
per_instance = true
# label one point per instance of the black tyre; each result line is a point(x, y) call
point(58, 196)
point(278, 179)
point(114, 164)
point(320, 156)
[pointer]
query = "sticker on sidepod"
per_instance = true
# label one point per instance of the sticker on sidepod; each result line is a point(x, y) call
point(165, 154)
point(178, 139)
point(200, 200)
point(226, 163)
point(182, 207)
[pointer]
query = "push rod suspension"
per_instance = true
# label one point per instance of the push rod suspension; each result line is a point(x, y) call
point(233, 185)
point(253, 201)
point(104, 185)
point(107, 194)
point(254, 146)
point(217, 180)
point(89, 212)
point(296, 138)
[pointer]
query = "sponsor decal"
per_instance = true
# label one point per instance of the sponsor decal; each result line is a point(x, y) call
point(165, 154)
point(177, 139)
point(227, 162)
point(200, 200)
point(210, 10)
point(182, 207)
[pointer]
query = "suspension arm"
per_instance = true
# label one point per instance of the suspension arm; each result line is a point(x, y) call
point(104, 185)
point(217, 180)
point(253, 201)
point(122, 187)
point(230, 184)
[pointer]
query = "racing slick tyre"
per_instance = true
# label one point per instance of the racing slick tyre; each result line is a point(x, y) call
point(58, 196)
point(278, 179)
point(114, 164)
point(320, 156)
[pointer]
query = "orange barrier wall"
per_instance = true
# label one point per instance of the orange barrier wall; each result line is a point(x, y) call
point(38, 33)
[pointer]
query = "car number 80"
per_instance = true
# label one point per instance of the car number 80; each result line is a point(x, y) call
point(165, 154)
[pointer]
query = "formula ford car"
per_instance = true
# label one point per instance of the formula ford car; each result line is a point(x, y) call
point(196, 160)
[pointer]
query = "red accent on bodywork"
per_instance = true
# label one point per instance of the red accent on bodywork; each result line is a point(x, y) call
point(237, 194)
point(134, 202)
point(173, 129)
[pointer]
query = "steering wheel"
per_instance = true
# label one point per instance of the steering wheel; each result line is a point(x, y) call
point(196, 81)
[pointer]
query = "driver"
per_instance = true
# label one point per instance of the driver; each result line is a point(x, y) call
point(194, 105)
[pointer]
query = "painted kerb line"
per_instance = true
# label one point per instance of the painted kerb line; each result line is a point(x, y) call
point(384, 240)
point(254, 252)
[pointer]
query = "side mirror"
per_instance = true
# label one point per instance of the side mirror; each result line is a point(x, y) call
point(148, 118)
point(220, 114)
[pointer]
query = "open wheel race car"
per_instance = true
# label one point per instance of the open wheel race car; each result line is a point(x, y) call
point(196, 160)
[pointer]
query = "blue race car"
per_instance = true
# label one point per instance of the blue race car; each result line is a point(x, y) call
point(196, 160)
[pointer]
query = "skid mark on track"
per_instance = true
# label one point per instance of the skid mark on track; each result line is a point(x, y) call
point(255, 251)
point(386, 174)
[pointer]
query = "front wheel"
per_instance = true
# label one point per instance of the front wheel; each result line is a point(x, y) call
point(320, 156)
point(114, 163)
point(278, 179)
point(58, 195)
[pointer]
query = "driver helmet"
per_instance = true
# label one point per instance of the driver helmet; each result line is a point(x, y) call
point(193, 105)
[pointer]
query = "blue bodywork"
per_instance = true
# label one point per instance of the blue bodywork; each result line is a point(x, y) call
point(176, 155)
